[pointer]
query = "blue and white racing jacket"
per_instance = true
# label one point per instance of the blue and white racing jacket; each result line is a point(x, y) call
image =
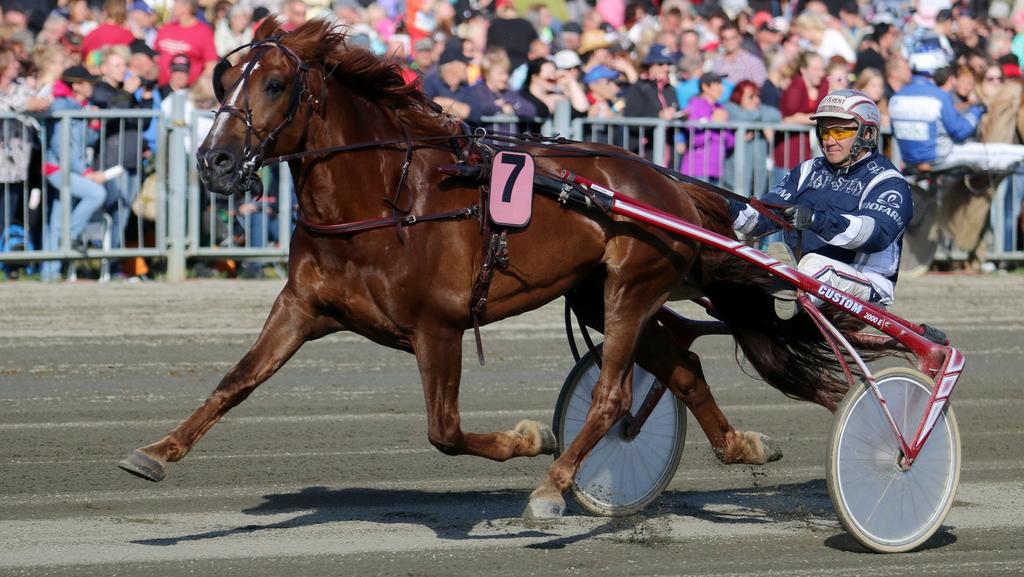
point(860, 213)
point(926, 123)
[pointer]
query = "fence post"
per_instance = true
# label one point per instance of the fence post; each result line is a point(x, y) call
point(658, 144)
point(177, 170)
point(65, 184)
point(578, 131)
point(563, 119)
point(740, 183)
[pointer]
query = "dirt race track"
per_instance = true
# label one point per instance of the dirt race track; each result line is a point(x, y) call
point(326, 469)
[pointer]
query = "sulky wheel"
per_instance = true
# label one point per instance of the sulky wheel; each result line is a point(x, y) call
point(620, 476)
point(885, 508)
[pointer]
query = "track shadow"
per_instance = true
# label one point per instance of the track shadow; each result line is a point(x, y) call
point(450, 515)
point(807, 501)
point(454, 515)
point(844, 542)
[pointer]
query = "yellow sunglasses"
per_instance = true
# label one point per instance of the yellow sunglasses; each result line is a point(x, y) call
point(836, 132)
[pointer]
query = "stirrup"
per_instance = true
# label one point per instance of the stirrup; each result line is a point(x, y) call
point(783, 292)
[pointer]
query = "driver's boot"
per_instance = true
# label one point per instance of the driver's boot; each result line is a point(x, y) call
point(783, 292)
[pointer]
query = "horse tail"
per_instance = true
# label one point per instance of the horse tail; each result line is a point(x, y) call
point(791, 355)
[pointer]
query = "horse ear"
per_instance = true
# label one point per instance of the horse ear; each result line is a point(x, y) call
point(269, 26)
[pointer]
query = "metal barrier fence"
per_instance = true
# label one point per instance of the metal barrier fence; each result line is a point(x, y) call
point(156, 208)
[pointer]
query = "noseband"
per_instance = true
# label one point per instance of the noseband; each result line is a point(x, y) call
point(252, 158)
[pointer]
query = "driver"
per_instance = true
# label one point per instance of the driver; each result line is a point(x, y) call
point(929, 129)
point(852, 206)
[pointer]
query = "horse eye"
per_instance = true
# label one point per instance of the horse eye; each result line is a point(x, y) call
point(274, 87)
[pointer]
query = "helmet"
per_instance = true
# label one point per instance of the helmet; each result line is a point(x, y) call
point(928, 56)
point(850, 104)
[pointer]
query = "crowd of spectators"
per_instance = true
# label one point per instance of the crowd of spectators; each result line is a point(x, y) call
point(710, 61)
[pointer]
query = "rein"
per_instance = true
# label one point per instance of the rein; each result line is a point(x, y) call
point(769, 210)
point(253, 159)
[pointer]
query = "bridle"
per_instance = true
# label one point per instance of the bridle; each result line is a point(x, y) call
point(253, 158)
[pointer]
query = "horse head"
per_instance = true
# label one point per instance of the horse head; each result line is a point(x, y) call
point(267, 100)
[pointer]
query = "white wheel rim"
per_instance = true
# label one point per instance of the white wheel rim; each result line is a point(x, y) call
point(620, 473)
point(886, 505)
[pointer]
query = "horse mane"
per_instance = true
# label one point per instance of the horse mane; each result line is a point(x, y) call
point(377, 79)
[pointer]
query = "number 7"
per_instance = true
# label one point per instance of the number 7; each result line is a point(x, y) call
point(518, 161)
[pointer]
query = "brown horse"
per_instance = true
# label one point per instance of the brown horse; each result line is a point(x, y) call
point(353, 124)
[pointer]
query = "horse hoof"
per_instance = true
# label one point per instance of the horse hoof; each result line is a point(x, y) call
point(543, 509)
point(541, 436)
point(142, 465)
point(771, 453)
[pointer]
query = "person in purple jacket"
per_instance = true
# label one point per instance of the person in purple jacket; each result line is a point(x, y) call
point(706, 148)
point(492, 95)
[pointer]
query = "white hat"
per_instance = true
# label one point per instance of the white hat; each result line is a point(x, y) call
point(779, 24)
point(566, 59)
point(999, 10)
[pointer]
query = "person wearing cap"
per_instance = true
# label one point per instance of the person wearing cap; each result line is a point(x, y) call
point(180, 72)
point(142, 22)
point(86, 190)
point(423, 56)
point(114, 30)
point(604, 92)
point(493, 96)
point(734, 62)
point(142, 64)
point(567, 60)
point(705, 147)
point(187, 35)
point(447, 85)
point(768, 40)
point(570, 69)
point(652, 96)
point(850, 208)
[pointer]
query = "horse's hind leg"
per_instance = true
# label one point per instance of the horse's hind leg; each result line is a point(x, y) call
point(439, 355)
point(664, 352)
point(291, 323)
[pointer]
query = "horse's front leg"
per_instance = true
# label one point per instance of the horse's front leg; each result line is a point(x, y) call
point(439, 356)
point(291, 323)
point(627, 310)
